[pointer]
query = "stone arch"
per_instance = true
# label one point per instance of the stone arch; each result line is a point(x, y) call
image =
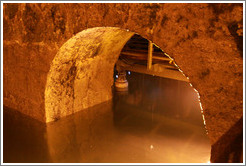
point(202, 38)
point(81, 73)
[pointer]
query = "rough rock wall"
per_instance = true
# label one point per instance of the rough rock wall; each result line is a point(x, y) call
point(81, 73)
point(204, 39)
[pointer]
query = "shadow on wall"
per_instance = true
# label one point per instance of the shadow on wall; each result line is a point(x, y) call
point(229, 148)
point(24, 139)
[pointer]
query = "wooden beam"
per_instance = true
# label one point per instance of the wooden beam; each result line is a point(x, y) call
point(150, 51)
point(161, 58)
point(162, 72)
point(135, 54)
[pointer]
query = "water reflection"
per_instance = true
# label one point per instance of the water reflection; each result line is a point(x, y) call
point(158, 120)
point(24, 139)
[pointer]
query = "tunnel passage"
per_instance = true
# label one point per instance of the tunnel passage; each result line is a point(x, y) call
point(80, 77)
point(201, 38)
point(81, 73)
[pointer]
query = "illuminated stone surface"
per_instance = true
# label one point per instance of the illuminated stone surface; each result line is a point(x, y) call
point(81, 74)
point(205, 41)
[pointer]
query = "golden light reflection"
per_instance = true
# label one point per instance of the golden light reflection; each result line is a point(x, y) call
point(198, 95)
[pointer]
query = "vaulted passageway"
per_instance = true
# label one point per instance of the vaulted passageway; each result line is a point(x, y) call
point(81, 77)
point(81, 74)
point(203, 39)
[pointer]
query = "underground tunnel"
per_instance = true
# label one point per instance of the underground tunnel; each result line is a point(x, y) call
point(82, 75)
point(167, 110)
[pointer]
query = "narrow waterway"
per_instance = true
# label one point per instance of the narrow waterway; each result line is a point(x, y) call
point(157, 121)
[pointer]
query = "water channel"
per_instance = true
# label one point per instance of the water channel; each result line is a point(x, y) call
point(157, 121)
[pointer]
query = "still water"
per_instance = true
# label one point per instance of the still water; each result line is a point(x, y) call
point(157, 121)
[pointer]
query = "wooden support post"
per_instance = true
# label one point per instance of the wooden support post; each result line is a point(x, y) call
point(150, 51)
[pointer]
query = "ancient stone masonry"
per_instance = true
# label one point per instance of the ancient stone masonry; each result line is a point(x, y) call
point(81, 73)
point(205, 41)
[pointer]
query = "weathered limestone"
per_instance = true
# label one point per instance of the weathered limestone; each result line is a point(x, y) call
point(205, 40)
point(81, 73)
